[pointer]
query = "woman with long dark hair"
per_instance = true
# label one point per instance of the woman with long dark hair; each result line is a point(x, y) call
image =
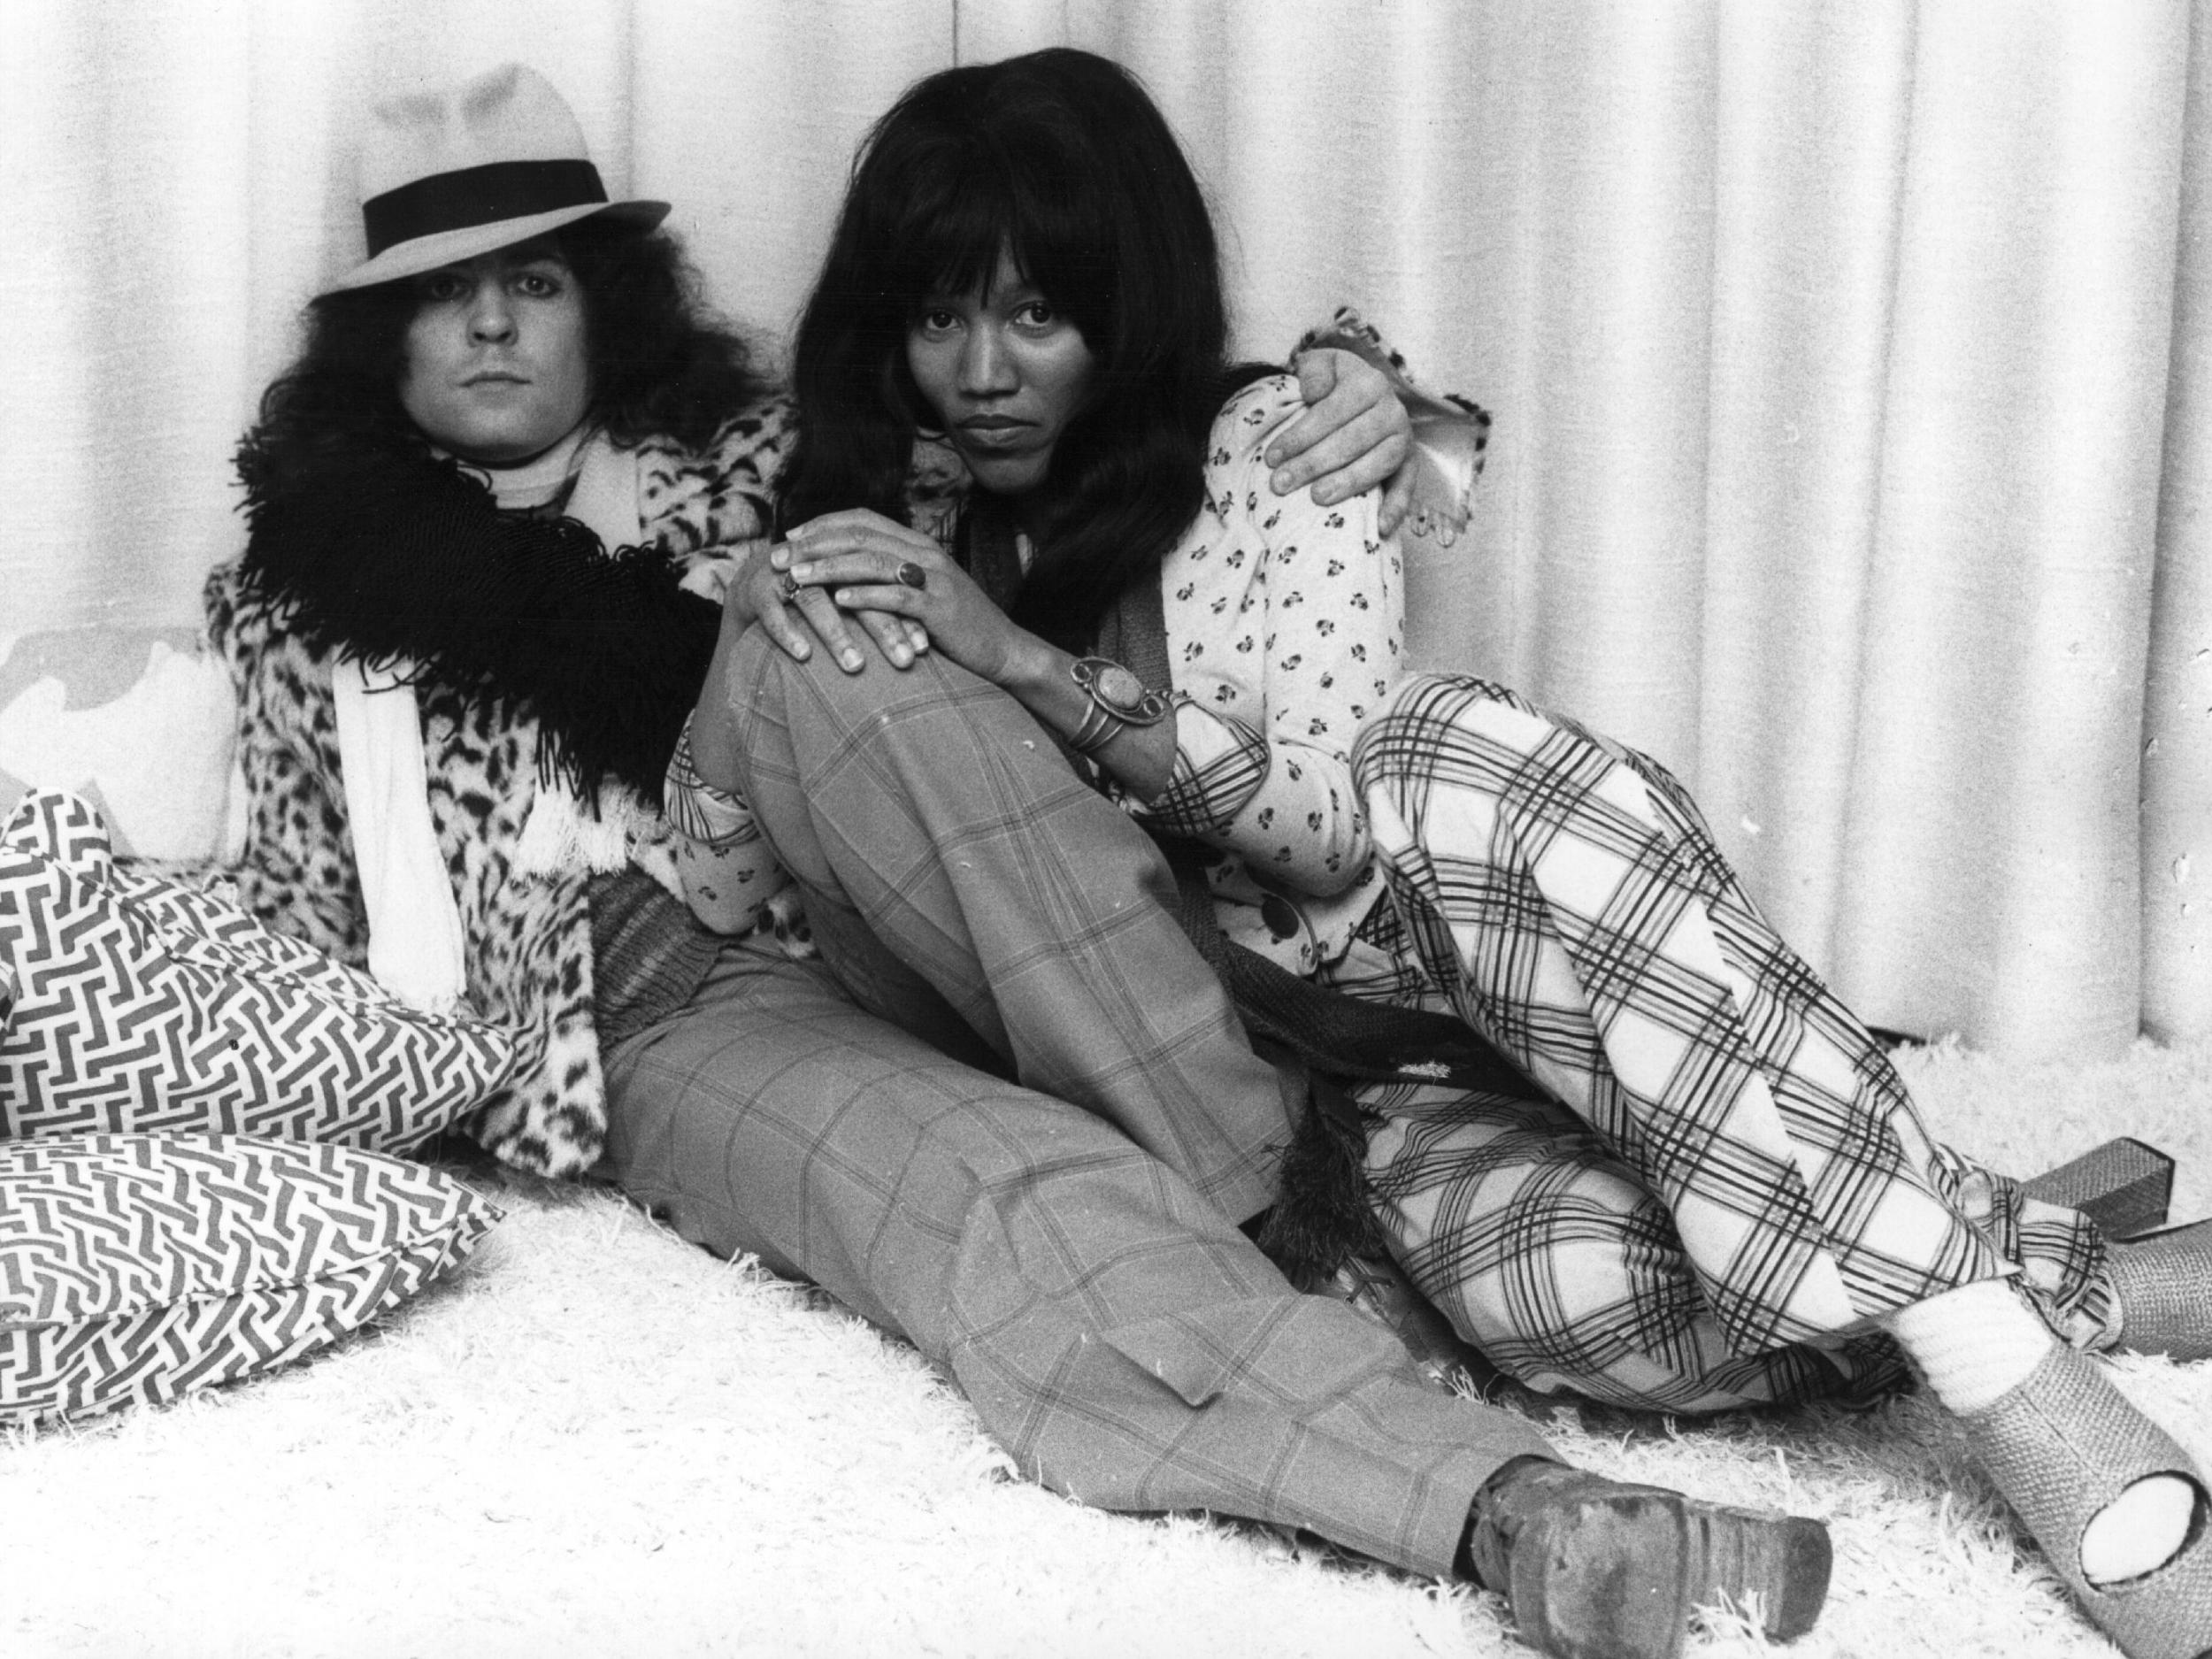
point(1693, 1181)
point(1016, 1115)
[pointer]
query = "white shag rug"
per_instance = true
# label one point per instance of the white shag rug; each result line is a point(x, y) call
point(601, 1441)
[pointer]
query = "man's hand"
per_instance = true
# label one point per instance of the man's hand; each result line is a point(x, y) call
point(1353, 436)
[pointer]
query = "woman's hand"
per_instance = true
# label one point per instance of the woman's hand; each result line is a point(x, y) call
point(1354, 434)
point(861, 561)
point(758, 593)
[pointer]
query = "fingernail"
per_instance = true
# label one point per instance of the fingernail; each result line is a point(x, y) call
point(802, 573)
point(1325, 495)
point(780, 556)
point(1282, 482)
point(851, 660)
point(799, 651)
point(1274, 457)
point(902, 655)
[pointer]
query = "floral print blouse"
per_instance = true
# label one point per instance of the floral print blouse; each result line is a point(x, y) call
point(1285, 629)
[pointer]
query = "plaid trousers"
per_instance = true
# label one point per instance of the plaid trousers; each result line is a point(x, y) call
point(1734, 1182)
point(1011, 1116)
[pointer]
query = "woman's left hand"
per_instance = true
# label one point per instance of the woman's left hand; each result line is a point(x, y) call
point(1353, 436)
point(865, 562)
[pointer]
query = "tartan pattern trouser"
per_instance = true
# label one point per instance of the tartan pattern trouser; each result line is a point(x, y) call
point(1074, 1263)
point(1734, 1182)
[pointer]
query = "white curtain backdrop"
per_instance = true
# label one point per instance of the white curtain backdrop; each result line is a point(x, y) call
point(1852, 362)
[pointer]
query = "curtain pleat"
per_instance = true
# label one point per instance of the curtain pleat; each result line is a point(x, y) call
point(124, 333)
point(2177, 755)
point(1804, 268)
point(1849, 358)
point(1989, 860)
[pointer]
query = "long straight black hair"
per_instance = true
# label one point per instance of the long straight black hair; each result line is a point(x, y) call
point(1060, 158)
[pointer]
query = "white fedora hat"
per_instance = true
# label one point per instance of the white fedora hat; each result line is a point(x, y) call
point(448, 175)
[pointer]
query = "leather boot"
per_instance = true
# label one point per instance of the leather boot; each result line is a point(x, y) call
point(1600, 1569)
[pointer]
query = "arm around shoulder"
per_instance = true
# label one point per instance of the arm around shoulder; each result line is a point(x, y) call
point(1284, 620)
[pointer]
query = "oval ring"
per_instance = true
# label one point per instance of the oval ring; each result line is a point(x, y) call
point(909, 575)
point(787, 588)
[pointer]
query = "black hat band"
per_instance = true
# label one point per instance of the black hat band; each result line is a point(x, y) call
point(478, 196)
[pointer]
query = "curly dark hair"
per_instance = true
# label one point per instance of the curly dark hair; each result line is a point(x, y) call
point(661, 363)
point(1060, 157)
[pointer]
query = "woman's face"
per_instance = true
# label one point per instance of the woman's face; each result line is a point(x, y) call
point(497, 365)
point(1005, 372)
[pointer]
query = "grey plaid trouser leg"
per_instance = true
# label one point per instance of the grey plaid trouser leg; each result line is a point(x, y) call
point(1075, 1266)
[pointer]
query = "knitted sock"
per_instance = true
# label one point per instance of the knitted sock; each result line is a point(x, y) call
point(1978, 1343)
point(1972, 1344)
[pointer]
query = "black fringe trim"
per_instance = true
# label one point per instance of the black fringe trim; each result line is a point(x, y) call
point(1324, 1214)
point(383, 556)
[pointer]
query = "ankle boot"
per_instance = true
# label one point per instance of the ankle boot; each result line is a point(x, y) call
point(2164, 1281)
point(2061, 1447)
point(1599, 1569)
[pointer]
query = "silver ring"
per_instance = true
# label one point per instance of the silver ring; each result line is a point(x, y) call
point(909, 575)
point(788, 588)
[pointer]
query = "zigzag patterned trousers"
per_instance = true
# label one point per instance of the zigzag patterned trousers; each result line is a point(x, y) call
point(1734, 1182)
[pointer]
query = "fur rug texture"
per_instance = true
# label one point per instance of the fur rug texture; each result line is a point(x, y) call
point(599, 1440)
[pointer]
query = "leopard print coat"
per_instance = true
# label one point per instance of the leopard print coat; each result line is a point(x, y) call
point(528, 935)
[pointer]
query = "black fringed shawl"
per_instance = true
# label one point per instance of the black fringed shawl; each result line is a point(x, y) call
point(382, 556)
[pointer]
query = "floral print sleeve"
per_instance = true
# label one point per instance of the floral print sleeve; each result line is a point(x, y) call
point(1285, 626)
point(713, 512)
point(727, 871)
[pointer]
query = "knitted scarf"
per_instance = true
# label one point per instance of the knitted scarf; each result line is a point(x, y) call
point(383, 555)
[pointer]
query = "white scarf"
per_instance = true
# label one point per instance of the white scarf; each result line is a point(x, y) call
point(415, 937)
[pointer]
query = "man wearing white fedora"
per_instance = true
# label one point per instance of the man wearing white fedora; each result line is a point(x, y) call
point(446, 176)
